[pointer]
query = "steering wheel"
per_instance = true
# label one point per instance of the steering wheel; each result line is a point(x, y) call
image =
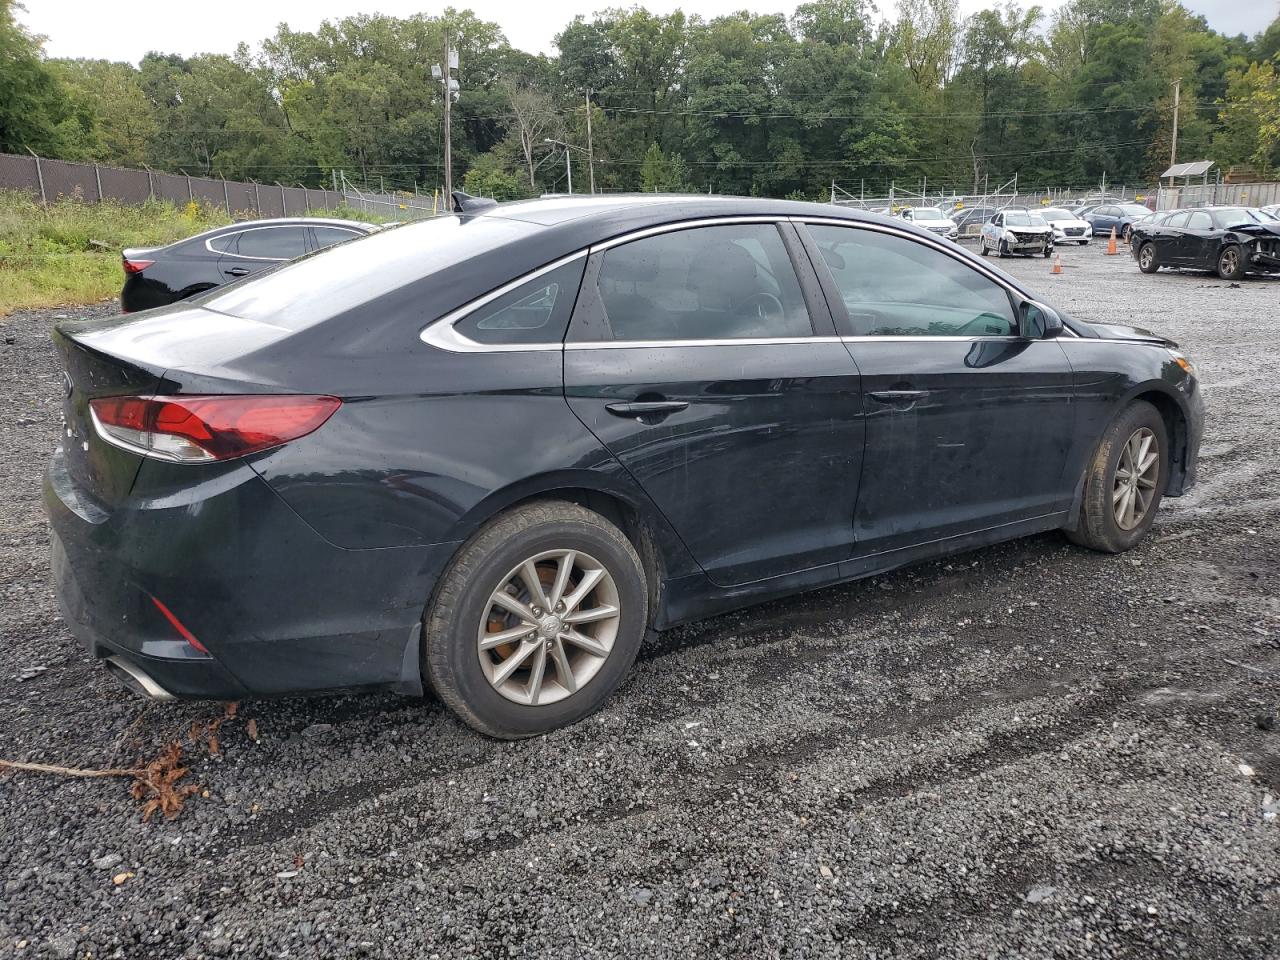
point(981, 326)
point(765, 305)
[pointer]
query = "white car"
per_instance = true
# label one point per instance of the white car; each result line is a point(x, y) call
point(1067, 227)
point(1016, 230)
point(932, 219)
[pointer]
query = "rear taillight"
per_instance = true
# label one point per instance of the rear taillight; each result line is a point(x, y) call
point(191, 429)
point(136, 266)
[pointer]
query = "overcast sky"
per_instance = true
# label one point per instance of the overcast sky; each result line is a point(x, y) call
point(115, 31)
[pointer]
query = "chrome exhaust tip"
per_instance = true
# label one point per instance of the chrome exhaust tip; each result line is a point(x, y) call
point(136, 680)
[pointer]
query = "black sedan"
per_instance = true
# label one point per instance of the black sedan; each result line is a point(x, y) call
point(487, 453)
point(1231, 241)
point(156, 276)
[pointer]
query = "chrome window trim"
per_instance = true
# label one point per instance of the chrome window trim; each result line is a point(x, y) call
point(665, 344)
point(443, 334)
point(271, 226)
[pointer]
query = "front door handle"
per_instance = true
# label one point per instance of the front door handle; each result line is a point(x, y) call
point(898, 397)
point(647, 408)
point(236, 271)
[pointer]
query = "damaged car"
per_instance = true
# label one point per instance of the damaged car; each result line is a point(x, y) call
point(1230, 241)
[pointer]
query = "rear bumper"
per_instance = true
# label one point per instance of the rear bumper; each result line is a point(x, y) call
point(280, 609)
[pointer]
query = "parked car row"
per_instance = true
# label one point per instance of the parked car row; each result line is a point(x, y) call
point(487, 453)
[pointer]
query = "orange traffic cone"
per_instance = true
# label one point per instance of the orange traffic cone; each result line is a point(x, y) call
point(1057, 264)
point(1111, 244)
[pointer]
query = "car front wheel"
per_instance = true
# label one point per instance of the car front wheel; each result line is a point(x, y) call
point(1231, 264)
point(1125, 481)
point(537, 620)
point(1147, 261)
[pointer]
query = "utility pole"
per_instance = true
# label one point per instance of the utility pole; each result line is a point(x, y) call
point(568, 169)
point(1173, 149)
point(591, 157)
point(444, 73)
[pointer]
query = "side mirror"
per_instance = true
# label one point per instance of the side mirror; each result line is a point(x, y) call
point(1038, 322)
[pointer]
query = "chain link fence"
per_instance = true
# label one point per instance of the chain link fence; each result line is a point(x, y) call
point(92, 182)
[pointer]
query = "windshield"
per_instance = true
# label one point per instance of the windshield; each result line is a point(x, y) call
point(927, 213)
point(1133, 210)
point(1057, 213)
point(1022, 219)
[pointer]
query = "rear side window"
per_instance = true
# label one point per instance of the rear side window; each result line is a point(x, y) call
point(1177, 220)
point(707, 283)
point(1200, 221)
point(537, 311)
point(328, 236)
point(273, 243)
point(895, 287)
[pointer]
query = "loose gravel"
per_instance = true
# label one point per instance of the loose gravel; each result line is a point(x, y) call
point(1029, 751)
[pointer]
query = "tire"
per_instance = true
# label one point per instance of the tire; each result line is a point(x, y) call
point(1002, 251)
point(1231, 262)
point(1147, 261)
point(1098, 527)
point(982, 247)
point(1047, 252)
point(463, 609)
point(1126, 233)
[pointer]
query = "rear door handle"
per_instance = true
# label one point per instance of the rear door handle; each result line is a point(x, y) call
point(647, 408)
point(236, 271)
point(898, 398)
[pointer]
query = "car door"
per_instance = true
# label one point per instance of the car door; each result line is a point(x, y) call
point(968, 421)
point(1104, 219)
point(257, 248)
point(1167, 237)
point(704, 359)
point(1198, 243)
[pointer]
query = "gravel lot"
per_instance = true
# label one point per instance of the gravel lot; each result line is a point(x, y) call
point(1028, 751)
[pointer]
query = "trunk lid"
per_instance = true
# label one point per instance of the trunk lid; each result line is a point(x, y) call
point(100, 471)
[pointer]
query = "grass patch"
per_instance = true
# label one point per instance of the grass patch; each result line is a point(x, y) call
point(68, 252)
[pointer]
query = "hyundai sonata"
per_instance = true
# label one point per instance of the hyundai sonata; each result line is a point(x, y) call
point(486, 453)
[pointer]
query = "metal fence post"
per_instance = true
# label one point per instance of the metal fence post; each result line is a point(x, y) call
point(190, 194)
point(97, 178)
point(226, 196)
point(257, 201)
point(39, 176)
point(306, 200)
point(151, 187)
point(284, 204)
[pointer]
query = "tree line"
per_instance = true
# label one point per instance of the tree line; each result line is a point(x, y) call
point(767, 104)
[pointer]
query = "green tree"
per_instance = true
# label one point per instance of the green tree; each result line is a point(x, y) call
point(32, 103)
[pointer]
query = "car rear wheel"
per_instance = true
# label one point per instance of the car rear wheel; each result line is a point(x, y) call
point(537, 620)
point(1231, 263)
point(1125, 481)
point(1147, 261)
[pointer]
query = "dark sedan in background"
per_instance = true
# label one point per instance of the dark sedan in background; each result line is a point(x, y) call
point(155, 276)
point(1231, 241)
point(487, 453)
point(1121, 216)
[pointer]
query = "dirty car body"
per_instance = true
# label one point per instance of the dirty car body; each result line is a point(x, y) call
point(260, 491)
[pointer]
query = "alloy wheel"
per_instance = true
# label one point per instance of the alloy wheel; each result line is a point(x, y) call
point(1229, 261)
point(548, 627)
point(1136, 476)
point(1145, 256)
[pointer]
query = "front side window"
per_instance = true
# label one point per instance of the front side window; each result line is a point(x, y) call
point(1200, 221)
point(537, 311)
point(273, 243)
point(1177, 220)
point(895, 287)
point(707, 283)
